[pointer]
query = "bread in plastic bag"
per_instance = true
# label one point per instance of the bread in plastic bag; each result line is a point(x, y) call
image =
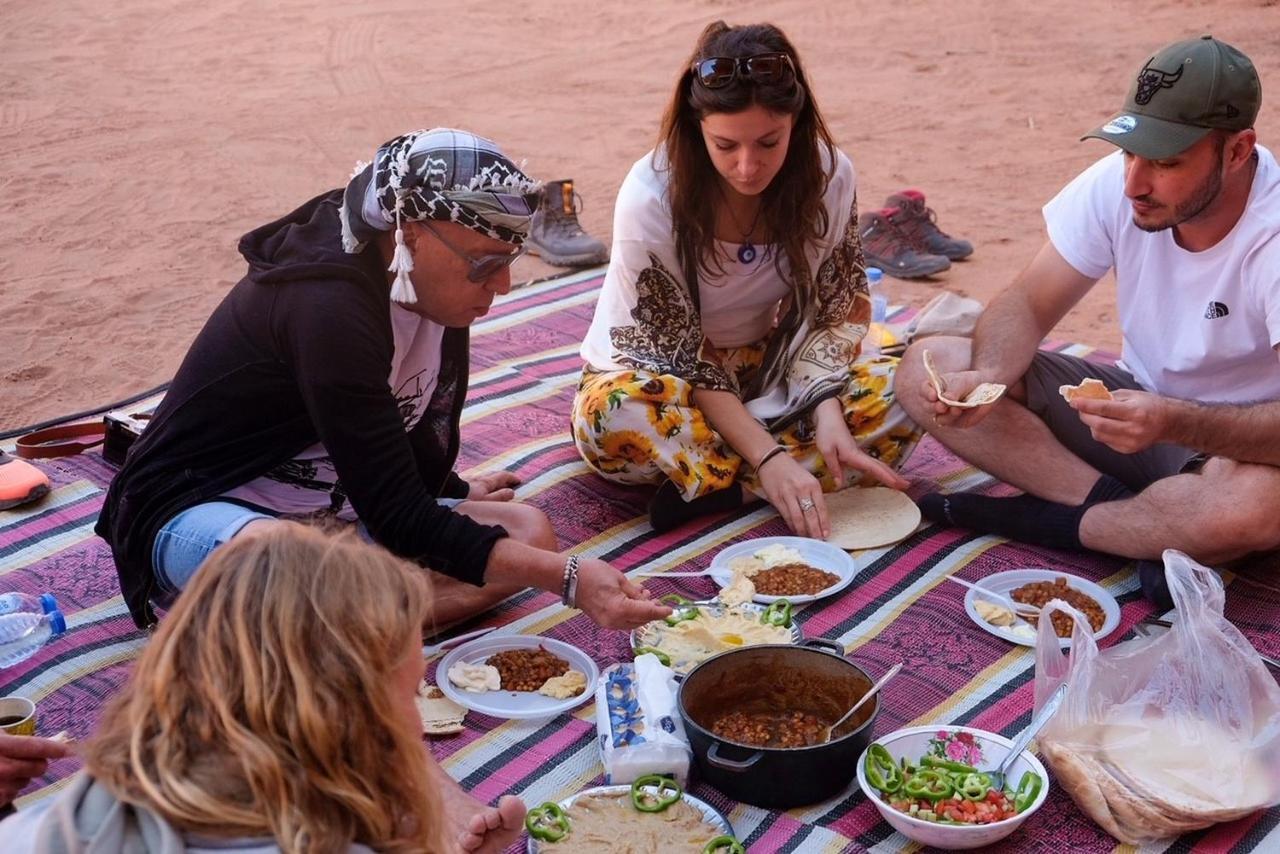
point(1162, 735)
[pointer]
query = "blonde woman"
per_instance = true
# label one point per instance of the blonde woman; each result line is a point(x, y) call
point(273, 711)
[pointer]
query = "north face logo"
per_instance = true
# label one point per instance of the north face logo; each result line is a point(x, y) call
point(1216, 309)
point(1152, 80)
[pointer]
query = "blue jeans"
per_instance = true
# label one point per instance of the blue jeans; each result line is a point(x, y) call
point(187, 540)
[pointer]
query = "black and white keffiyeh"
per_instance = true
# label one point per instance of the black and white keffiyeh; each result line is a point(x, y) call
point(441, 174)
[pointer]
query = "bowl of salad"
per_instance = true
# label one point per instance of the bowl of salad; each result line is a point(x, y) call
point(933, 785)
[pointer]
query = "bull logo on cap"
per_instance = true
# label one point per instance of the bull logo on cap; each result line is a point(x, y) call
point(1152, 80)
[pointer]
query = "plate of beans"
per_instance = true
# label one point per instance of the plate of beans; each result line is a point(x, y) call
point(524, 663)
point(1037, 587)
point(797, 569)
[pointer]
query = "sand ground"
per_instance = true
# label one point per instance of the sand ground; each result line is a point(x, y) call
point(139, 140)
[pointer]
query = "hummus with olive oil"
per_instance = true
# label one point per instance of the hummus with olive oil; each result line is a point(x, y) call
point(609, 824)
point(691, 641)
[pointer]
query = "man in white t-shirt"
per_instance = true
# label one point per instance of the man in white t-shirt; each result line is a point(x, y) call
point(1186, 454)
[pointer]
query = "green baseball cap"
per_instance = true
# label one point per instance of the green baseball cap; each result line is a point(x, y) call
point(1181, 93)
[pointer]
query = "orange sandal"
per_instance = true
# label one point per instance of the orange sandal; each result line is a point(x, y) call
point(20, 482)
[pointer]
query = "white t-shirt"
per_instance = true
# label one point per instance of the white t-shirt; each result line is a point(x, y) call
point(309, 482)
point(1196, 325)
point(739, 307)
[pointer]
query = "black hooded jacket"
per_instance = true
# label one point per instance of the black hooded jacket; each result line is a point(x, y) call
point(300, 351)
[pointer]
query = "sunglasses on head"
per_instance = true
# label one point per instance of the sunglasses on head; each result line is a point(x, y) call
point(718, 72)
point(483, 267)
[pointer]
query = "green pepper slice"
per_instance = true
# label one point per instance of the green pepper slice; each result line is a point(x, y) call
point(724, 845)
point(1028, 791)
point(947, 765)
point(653, 650)
point(547, 823)
point(681, 609)
point(882, 772)
point(668, 793)
point(777, 614)
point(973, 787)
point(929, 785)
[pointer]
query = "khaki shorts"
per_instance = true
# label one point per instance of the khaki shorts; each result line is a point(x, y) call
point(1137, 471)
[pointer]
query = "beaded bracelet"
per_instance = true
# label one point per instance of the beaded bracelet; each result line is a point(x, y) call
point(770, 454)
point(569, 593)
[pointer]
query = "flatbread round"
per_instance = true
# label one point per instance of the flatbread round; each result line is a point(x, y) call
point(1163, 762)
point(982, 395)
point(864, 518)
point(1090, 388)
point(439, 714)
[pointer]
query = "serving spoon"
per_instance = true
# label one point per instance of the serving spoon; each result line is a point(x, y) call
point(1038, 722)
point(893, 671)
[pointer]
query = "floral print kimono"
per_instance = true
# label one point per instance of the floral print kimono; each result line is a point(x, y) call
point(634, 420)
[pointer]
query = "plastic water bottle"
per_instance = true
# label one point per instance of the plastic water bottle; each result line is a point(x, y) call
point(879, 310)
point(22, 633)
point(13, 602)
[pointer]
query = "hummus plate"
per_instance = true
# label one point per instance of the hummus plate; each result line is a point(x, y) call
point(683, 658)
point(709, 813)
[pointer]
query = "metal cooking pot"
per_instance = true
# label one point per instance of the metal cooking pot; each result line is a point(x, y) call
point(813, 677)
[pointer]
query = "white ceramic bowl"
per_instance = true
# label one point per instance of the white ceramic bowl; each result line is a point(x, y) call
point(913, 743)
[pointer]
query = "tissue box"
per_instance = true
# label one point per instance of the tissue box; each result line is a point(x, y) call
point(639, 726)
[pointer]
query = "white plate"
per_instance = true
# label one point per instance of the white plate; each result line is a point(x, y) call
point(712, 815)
point(1007, 582)
point(519, 705)
point(816, 553)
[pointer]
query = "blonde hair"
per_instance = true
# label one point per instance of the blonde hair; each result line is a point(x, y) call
point(264, 706)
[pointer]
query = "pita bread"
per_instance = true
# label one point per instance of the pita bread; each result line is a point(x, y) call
point(1089, 388)
point(864, 518)
point(1162, 762)
point(439, 714)
point(1149, 780)
point(981, 396)
point(1078, 776)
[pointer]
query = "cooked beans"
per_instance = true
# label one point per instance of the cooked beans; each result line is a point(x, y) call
point(770, 729)
point(526, 669)
point(792, 579)
point(1040, 592)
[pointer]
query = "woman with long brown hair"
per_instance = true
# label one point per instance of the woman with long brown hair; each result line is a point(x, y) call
point(725, 346)
point(273, 710)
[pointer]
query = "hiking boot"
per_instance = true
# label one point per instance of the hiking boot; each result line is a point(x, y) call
point(888, 247)
point(555, 233)
point(921, 224)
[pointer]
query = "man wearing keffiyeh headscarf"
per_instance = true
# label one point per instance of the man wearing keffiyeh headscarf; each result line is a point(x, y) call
point(330, 382)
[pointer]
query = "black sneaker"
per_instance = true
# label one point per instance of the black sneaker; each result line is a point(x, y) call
point(668, 509)
point(555, 234)
point(888, 247)
point(921, 224)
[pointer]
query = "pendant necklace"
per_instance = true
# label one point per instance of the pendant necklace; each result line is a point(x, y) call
point(746, 252)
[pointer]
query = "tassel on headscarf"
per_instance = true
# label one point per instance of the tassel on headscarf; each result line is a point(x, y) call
point(402, 264)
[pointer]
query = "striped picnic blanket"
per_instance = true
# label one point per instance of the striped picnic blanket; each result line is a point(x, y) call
point(524, 370)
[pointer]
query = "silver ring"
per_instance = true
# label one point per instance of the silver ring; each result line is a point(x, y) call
point(806, 504)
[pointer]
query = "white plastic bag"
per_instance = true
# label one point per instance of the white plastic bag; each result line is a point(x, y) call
point(637, 722)
point(1162, 735)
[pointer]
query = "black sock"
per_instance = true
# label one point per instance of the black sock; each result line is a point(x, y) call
point(1024, 517)
point(668, 509)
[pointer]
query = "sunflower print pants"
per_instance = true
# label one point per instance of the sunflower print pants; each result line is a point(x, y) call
point(636, 427)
